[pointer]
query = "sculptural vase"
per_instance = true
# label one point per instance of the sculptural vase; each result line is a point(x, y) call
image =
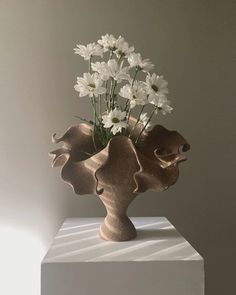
point(117, 226)
point(120, 171)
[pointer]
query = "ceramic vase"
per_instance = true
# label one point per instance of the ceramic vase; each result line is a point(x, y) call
point(120, 171)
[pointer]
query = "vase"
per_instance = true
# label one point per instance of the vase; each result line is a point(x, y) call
point(120, 171)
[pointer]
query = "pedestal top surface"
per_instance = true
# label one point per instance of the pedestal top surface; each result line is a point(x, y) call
point(157, 240)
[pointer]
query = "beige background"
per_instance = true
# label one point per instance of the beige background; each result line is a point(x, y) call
point(191, 43)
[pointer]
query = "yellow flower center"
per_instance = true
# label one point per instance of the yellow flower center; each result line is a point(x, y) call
point(115, 120)
point(154, 87)
point(112, 48)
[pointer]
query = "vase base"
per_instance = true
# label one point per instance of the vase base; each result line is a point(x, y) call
point(117, 229)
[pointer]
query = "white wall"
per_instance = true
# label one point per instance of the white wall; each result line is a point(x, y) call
point(191, 44)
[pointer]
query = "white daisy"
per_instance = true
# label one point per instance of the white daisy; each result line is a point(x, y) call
point(144, 119)
point(108, 42)
point(135, 60)
point(136, 93)
point(89, 85)
point(111, 69)
point(156, 87)
point(102, 68)
point(89, 50)
point(123, 48)
point(115, 119)
point(118, 72)
point(163, 105)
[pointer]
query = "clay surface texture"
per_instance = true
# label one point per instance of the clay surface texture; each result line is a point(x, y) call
point(120, 171)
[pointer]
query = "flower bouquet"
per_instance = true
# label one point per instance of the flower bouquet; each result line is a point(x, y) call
point(117, 155)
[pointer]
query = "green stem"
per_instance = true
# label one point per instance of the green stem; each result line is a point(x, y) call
point(135, 74)
point(105, 99)
point(94, 119)
point(132, 84)
point(93, 101)
point(90, 64)
point(111, 55)
point(137, 119)
point(127, 120)
point(94, 112)
point(126, 105)
point(144, 127)
point(129, 111)
point(110, 95)
point(113, 94)
point(85, 120)
point(119, 60)
point(100, 106)
point(139, 115)
point(106, 84)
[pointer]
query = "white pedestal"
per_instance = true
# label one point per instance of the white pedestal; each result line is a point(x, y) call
point(159, 261)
